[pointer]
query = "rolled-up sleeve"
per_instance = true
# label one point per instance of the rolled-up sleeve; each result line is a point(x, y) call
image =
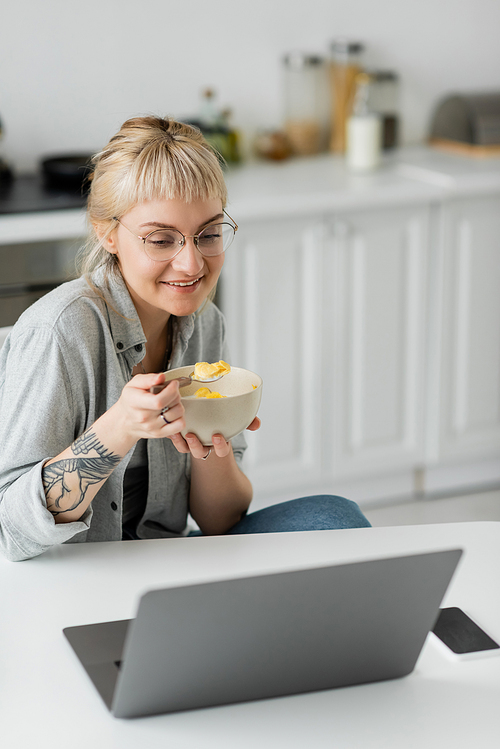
point(27, 528)
point(37, 421)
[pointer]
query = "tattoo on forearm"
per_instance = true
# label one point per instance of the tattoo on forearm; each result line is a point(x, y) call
point(86, 442)
point(75, 475)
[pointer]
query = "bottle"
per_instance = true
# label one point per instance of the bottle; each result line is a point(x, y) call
point(215, 125)
point(210, 115)
point(345, 66)
point(364, 130)
point(233, 140)
point(306, 103)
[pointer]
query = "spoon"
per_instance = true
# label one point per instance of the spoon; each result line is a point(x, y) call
point(185, 381)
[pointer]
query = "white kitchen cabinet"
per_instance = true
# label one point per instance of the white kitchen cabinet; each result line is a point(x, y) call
point(377, 334)
point(375, 318)
point(331, 312)
point(464, 395)
point(271, 295)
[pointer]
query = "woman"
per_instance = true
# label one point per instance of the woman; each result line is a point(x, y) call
point(89, 453)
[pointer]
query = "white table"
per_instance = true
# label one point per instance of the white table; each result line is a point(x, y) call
point(48, 701)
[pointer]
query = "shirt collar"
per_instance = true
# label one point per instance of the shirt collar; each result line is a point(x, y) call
point(124, 322)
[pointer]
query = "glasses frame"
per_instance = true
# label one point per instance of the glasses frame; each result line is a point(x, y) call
point(185, 237)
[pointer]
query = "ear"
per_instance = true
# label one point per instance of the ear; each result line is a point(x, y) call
point(106, 237)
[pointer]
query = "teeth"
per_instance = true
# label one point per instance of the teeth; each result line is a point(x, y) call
point(189, 283)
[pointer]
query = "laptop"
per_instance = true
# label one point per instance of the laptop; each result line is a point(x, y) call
point(269, 635)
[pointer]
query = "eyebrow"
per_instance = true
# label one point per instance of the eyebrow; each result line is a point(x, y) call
point(160, 225)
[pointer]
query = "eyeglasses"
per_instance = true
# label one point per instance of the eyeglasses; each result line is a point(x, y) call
point(164, 244)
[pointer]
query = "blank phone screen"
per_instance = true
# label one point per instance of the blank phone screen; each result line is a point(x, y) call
point(460, 633)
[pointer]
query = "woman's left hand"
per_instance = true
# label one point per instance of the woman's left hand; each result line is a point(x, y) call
point(191, 444)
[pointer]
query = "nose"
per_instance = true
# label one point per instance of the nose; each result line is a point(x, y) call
point(189, 260)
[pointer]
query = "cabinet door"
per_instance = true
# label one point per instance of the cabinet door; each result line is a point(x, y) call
point(374, 328)
point(270, 294)
point(468, 360)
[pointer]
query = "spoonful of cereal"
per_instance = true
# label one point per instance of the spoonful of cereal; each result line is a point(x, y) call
point(203, 372)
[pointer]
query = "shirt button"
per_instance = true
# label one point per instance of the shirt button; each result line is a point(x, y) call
point(119, 345)
point(138, 347)
point(114, 506)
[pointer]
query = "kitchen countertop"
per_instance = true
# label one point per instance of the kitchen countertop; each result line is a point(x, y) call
point(324, 183)
point(257, 190)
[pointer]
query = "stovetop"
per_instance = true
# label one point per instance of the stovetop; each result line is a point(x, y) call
point(28, 194)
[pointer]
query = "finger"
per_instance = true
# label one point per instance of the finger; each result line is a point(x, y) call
point(147, 381)
point(179, 443)
point(197, 449)
point(170, 397)
point(170, 428)
point(221, 447)
point(143, 383)
point(170, 414)
point(183, 382)
point(254, 425)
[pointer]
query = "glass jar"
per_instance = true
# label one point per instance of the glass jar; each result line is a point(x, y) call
point(306, 101)
point(384, 100)
point(345, 65)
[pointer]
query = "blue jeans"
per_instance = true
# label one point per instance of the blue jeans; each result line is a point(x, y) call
point(316, 513)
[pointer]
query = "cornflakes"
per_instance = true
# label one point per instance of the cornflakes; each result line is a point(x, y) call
point(205, 371)
point(206, 393)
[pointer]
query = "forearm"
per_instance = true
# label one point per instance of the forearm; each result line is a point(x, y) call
point(72, 479)
point(220, 493)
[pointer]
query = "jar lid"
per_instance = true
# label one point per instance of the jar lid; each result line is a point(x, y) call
point(300, 60)
point(345, 46)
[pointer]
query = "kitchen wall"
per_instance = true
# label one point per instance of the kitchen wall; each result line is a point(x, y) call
point(72, 72)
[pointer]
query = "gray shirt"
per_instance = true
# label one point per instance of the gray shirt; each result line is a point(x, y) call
point(64, 364)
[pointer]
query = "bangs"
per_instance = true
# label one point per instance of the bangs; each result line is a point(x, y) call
point(173, 171)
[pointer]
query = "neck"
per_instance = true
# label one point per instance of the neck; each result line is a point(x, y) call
point(158, 346)
point(157, 333)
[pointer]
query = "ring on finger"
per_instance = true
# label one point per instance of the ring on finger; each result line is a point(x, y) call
point(207, 455)
point(163, 412)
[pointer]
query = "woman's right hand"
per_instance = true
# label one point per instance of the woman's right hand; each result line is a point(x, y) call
point(141, 411)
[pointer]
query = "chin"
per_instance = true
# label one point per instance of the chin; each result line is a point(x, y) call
point(181, 307)
point(187, 308)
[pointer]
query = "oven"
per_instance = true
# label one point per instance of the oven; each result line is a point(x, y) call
point(41, 230)
point(31, 269)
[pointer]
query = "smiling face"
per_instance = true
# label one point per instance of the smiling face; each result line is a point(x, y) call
point(175, 287)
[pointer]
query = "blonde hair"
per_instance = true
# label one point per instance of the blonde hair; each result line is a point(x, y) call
point(149, 158)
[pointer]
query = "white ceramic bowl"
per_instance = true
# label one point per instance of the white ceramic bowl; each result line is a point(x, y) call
point(227, 416)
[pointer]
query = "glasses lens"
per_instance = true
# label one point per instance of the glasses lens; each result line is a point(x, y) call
point(215, 239)
point(163, 244)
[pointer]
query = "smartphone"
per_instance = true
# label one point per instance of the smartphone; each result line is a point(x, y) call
point(462, 635)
